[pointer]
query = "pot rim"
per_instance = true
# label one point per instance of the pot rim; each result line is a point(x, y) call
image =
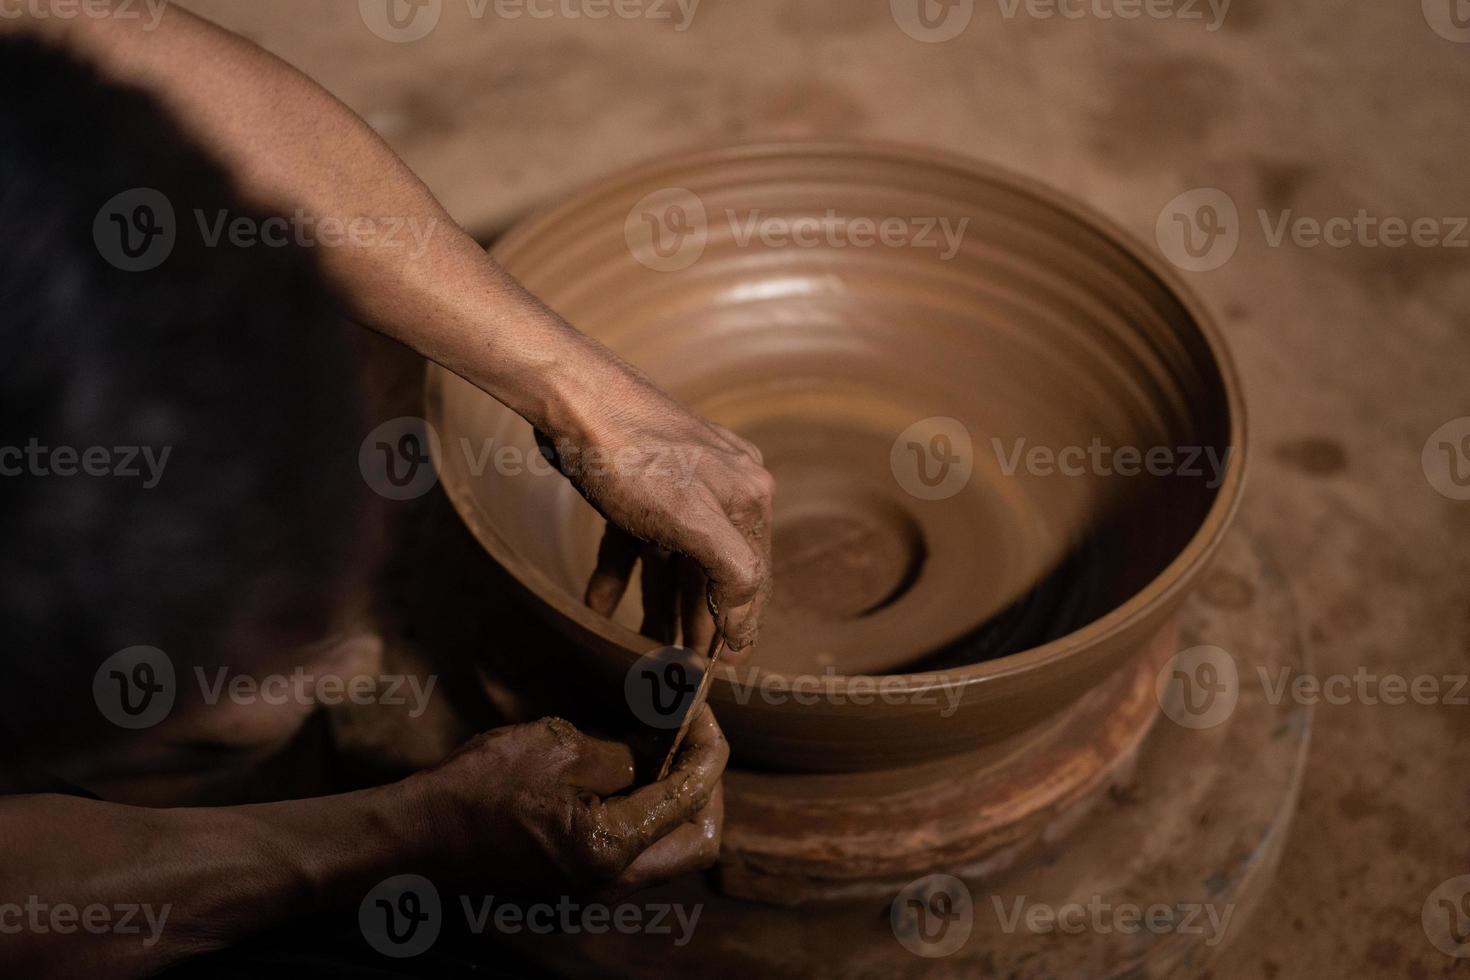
point(1162, 590)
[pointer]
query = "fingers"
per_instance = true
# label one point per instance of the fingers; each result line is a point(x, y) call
point(616, 556)
point(748, 499)
point(660, 595)
point(601, 767)
point(720, 517)
point(751, 514)
point(692, 847)
point(697, 624)
point(739, 442)
point(737, 574)
point(647, 815)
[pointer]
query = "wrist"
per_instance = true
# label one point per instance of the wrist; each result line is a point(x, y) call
point(539, 366)
point(376, 833)
point(495, 334)
point(567, 386)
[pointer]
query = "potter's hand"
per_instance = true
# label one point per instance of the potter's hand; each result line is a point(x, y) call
point(690, 498)
point(291, 144)
point(543, 805)
point(422, 280)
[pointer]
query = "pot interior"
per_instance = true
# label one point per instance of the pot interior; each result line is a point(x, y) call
point(989, 423)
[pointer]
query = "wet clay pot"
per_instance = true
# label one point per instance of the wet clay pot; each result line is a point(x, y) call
point(1006, 440)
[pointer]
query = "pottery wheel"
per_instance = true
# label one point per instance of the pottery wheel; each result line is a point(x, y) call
point(1196, 825)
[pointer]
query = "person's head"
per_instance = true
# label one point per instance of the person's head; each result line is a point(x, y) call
point(178, 444)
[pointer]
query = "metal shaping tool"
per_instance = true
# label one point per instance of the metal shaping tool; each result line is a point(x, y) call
point(716, 647)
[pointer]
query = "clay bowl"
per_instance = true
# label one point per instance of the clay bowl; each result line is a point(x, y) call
point(907, 388)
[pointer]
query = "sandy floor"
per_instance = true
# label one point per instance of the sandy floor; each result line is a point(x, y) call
point(1351, 356)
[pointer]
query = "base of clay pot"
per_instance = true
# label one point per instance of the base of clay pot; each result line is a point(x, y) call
point(1196, 822)
point(793, 838)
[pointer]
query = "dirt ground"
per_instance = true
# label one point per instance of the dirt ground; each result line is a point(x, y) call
point(1352, 356)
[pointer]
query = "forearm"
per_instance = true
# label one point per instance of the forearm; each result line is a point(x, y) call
point(186, 880)
point(416, 276)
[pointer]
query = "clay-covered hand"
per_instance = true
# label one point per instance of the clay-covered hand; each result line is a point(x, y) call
point(690, 498)
point(544, 806)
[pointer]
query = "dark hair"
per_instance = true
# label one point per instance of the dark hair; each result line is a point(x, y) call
point(234, 358)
